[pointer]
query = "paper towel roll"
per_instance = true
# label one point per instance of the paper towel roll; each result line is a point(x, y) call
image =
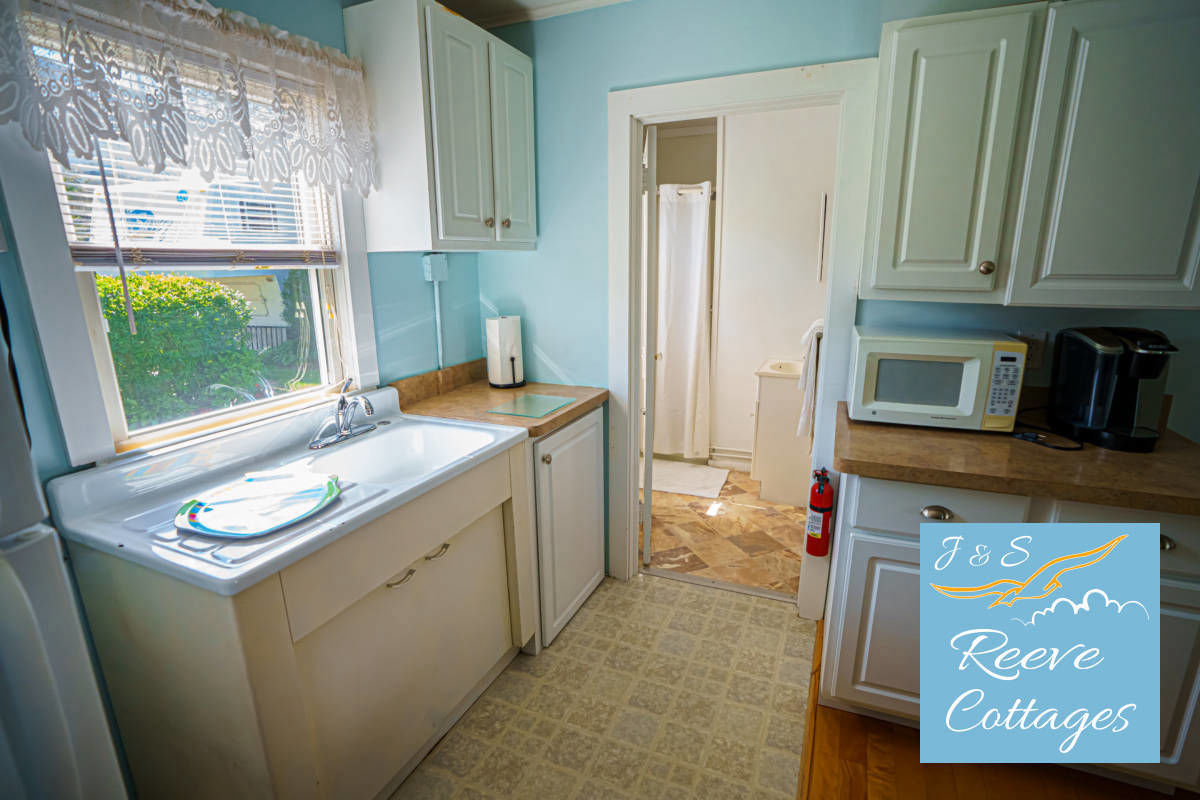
point(506, 367)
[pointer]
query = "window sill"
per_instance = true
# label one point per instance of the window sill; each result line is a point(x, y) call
point(222, 422)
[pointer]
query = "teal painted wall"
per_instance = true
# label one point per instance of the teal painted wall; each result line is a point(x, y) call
point(405, 332)
point(561, 290)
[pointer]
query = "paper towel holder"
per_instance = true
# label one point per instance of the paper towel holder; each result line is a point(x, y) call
point(513, 366)
point(505, 362)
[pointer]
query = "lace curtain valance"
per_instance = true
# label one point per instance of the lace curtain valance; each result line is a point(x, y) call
point(183, 82)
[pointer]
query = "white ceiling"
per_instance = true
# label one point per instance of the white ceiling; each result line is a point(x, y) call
point(492, 13)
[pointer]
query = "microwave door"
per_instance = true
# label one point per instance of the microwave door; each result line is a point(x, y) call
point(922, 389)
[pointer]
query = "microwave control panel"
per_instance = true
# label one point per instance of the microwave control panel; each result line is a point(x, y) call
point(1008, 369)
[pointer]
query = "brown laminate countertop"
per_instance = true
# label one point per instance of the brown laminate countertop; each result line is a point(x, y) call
point(471, 402)
point(1167, 480)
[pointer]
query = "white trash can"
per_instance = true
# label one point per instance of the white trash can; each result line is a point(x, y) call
point(781, 459)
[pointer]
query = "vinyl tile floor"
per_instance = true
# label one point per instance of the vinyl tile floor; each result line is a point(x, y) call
point(737, 538)
point(657, 689)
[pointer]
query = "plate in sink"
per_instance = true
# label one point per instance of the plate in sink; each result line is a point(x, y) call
point(258, 504)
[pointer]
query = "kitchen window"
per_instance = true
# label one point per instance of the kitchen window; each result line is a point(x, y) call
point(227, 281)
point(195, 180)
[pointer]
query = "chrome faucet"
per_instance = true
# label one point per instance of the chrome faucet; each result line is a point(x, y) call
point(339, 426)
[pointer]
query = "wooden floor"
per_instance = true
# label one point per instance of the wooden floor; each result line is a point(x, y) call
point(853, 757)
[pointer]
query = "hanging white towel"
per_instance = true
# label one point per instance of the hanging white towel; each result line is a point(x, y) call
point(810, 344)
point(681, 391)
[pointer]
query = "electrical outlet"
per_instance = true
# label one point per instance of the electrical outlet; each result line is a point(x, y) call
point(437, 266)
point(1036, 342)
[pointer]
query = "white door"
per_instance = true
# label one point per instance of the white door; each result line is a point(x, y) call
point(949, 99)
point(569, 479)
point(776, 166)
point(1111, 208)
point(650, 353)
point(462, 134)
point(878, 630)
point(512, 143)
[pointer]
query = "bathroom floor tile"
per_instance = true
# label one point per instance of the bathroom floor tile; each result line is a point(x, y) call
point(687, 692)
point(736, 538)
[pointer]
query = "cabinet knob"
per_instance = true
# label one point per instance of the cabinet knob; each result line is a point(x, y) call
point(392, 584)
point(938, 513)
point(491, 222)
point(987, 267)
point(507, 223)
point(546, 459)
point(1166, 542)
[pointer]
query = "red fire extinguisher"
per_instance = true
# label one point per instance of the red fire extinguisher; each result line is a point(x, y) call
point(820, 515)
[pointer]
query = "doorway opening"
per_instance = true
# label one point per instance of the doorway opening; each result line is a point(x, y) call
point(734, 222)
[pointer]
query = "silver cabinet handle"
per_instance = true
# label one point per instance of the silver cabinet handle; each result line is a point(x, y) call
point(987, 267)
point(939, 513)
point(440, 552)
point(392, 584)
point(546, 459)
point(490, 222)
point(1165, 542)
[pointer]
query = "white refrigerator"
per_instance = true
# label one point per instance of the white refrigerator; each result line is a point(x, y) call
point(54, 735)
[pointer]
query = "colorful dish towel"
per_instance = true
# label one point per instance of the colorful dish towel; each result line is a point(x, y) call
point(258, 503)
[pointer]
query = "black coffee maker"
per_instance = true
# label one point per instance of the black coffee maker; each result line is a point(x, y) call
point(1108, 385)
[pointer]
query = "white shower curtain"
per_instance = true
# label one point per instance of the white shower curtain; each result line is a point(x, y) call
point(681, 401)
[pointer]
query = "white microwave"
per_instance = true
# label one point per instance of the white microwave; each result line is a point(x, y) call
point(944, 378)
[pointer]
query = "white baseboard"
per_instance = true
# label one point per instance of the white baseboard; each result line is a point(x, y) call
point(729, 458)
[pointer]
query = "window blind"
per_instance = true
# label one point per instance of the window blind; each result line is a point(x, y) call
point(176, 219)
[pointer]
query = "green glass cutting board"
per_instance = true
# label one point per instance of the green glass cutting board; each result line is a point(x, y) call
point(531, 405)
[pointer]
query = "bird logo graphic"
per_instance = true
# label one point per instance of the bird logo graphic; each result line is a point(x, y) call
point(1008, 591)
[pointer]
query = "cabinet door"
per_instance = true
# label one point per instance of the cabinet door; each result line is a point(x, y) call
point(878, 629)
point(462, 135)
point(383, 677)
point(570, 516)
point(1111, 206)
point(949, 101)
point(1180, 685)
point(512, 144)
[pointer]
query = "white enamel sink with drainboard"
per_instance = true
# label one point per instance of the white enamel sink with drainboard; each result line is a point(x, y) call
point(127, 508)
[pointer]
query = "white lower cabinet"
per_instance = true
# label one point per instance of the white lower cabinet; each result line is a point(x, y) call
point(384, 676)
point(877, 663)
point(1179, 635)
point(1179, 689)
point(333, 677)
point(569, 476)
point(871, 659)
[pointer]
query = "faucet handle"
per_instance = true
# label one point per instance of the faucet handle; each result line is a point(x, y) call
point(368, 409)
point(346, 384)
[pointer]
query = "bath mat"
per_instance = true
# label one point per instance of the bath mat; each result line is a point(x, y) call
point(680, 477)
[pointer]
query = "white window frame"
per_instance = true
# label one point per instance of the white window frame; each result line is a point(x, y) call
point(70, 330)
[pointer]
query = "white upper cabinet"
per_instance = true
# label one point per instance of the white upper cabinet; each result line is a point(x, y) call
point(949, 101)
point(453, 113)
point(462, 136)
point(512, 143)
point(1111, 209)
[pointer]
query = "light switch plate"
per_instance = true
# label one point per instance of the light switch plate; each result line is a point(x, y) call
point(437, 266)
